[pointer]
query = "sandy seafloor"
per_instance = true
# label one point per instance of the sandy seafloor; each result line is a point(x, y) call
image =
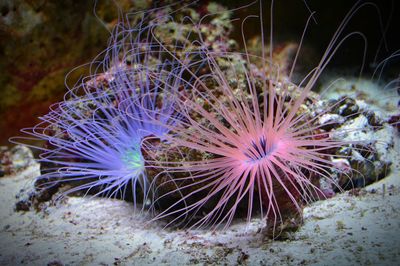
point(343, 230)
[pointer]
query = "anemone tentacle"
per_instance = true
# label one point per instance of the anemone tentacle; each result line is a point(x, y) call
point(252, 144)
point(93, 137)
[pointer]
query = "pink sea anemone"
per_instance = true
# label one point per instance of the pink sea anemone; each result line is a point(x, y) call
point(248, 138)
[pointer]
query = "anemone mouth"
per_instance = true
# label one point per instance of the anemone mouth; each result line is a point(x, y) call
point(133, 160)
point(260, 149)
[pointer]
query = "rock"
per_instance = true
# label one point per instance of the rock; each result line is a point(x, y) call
point(21, 157)
point(14, 160)
point(348, 106)
point(329, 121)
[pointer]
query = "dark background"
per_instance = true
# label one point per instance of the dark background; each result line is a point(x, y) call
point(42, 40)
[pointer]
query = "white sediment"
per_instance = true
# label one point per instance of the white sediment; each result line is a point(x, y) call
point(347, 229)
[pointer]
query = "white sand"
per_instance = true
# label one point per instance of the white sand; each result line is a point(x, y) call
point(344, 230)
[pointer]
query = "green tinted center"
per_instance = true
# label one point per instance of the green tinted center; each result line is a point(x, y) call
point(133, 159)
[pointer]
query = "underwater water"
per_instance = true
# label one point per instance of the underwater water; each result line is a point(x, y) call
point(195, 138)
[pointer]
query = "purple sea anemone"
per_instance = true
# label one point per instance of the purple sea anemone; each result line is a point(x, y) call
point(93, 137)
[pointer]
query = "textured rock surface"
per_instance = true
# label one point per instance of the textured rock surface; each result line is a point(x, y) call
point(14, 160)
point(41, 41)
